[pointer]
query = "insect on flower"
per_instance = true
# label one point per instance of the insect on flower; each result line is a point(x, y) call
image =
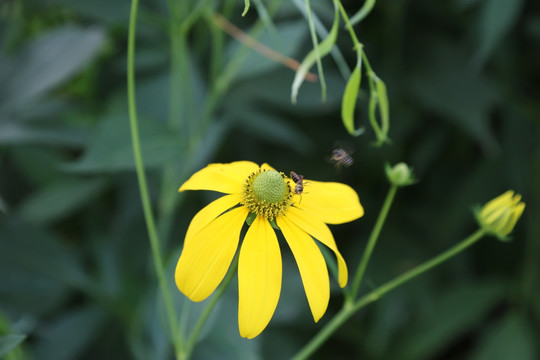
point(299, 181)
point(249, 190)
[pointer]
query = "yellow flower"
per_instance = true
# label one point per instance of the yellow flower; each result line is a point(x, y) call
point(270, 198)
point(499, 216)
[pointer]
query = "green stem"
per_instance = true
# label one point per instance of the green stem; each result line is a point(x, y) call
point(143, 187)
point(363, 12)
point(323, 33)
point(420, 269)
point(345, 17)
point(350, 309)
point(354, 38)
point(316, 48)
point(206, 313)
point(372, 241)
point(226, 76)
point(372, 78)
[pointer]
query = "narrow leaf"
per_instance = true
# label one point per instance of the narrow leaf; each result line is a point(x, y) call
point(384, 109)
point(246, 7)
point(496, 20)
point(10, 342)
point(322, 50)
point(379, 102)
point(350, 97)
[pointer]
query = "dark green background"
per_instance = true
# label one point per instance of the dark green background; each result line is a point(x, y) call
point(76, 274)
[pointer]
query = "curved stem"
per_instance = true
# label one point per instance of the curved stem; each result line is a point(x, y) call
point(143, 187)
point(363, 12)
point(204, 316)
point(350, 309)
point(372, 241)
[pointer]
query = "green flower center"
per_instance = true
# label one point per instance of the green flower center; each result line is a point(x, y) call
point(268, 193)
point(270, 187)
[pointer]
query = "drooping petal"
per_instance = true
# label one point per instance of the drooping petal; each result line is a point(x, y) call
point(321, 232)
point(311, 265)
point(259, 278)
point(333, 203)
point(206, 257)
point(226, 178)
point(209, 213)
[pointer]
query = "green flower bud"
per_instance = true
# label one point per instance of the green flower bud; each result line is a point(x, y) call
point(499, 216)
point(400, 174)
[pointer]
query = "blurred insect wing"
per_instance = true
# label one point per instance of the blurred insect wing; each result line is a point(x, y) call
point(340, 158)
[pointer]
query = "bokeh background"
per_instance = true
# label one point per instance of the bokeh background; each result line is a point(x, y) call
point(76, 275)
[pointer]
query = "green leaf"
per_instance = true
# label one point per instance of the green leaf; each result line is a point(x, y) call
point(10, 342)
point(67, 336)
point(350, 96)
point(117, 12)
point(111, 150)
point(223, 340)
point(271, 128)
point(322, 50)
point(379, 101)
point(246, 7)
point(466, 4)
point(457, 310)
point(18, 133)
point(444, 85)
point(47, 62)
point(511, 338)
point(290, 36)
point(496, 19)
point(60, 199)
point(384, 111)
point(35, 265)
point(3, 206)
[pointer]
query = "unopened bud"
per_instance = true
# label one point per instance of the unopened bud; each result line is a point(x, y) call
point(400, 174)
point(499, 216)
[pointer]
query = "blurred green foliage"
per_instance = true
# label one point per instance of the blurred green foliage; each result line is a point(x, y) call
point(76, 278)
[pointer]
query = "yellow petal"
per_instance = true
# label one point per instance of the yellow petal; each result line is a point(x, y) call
point(267, 167)
point(333, 203)
point(209, 213)
point(259, 278)
point(500, 201)
point(206, 257)
point(321, 232)
point(311, 265)
point(226, 178)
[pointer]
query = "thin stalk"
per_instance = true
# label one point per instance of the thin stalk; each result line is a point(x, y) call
point(348, 310)
point(348, 24)
point(208, 309)
point(226, 76)
point(363, 12)
point(323, 33)
point(354, 38)
point(143, 187)
point(357, 281)
point(316, 48)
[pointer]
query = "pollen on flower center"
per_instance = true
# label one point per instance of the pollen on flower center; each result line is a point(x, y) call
point(267, 193)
